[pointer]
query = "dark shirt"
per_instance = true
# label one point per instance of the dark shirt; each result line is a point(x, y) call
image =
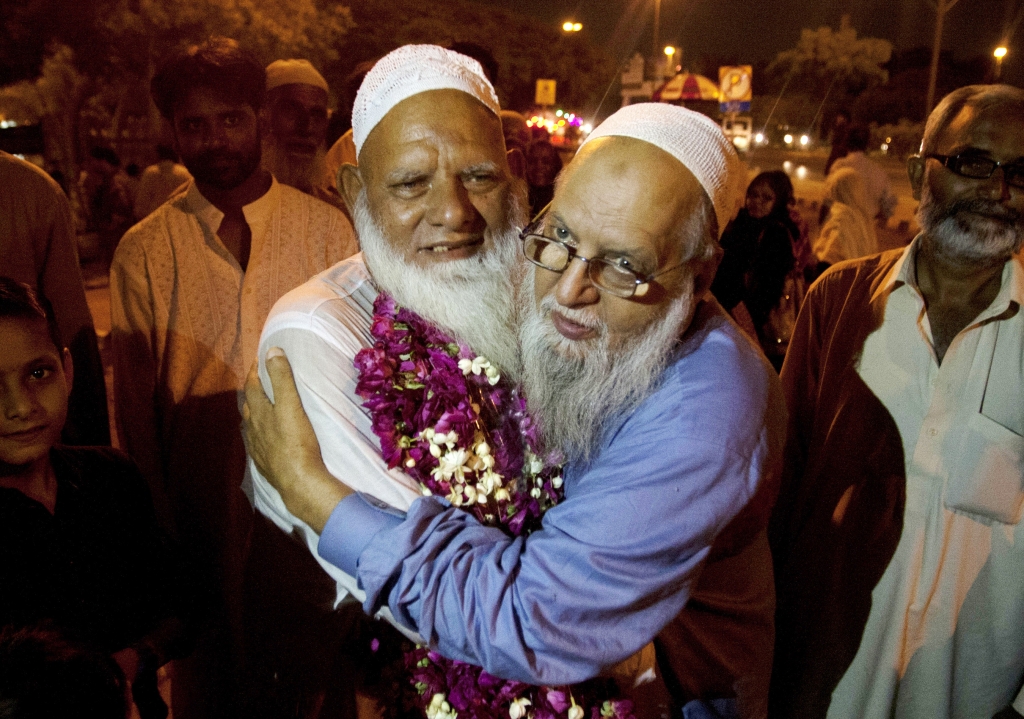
point(97, 568)
point(757, 256)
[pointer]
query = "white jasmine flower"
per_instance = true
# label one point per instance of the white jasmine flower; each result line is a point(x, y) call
point(501, 495)
point(535, 493)
point(435, 451)
point(575, 711)
point(483, 449)
point(556, 482)
point(517, 709)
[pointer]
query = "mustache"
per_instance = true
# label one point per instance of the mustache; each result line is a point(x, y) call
point(989, 208)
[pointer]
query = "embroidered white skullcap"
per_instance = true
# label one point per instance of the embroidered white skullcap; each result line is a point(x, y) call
point(294, 72)
point(693, 139)
point(408, 71)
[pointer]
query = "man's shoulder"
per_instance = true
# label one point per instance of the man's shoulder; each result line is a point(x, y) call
point(343, 292)
point(852, 278)
point(315, 206)
point(27, 180)
point(140, 236)
point(718, 379)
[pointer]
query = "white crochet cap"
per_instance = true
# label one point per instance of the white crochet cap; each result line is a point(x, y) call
point(294, 72)
point(408, 71)
point(693, 139)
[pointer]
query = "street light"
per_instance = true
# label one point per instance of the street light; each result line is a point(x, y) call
point(570, 26)
point(999, 53)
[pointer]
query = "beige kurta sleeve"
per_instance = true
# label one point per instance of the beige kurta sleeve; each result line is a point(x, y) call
point(133, 345)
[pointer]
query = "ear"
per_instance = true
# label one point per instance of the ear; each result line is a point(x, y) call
point(350, 184)
point(69, 368)
point(915, 171)
point(517, 162)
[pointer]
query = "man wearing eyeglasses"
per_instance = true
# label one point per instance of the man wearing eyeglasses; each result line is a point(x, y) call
point(671, 423)
point(898, 543)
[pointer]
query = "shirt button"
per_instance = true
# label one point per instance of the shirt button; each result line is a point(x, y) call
point(933, 431)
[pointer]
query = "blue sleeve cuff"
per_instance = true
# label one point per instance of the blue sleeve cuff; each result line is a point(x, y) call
point(352, 526)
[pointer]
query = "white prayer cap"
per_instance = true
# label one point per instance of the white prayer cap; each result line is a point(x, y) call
point(408, 71)
point(693, 139)
point(294, 72)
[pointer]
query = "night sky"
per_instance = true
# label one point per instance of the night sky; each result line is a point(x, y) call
point(752, 31)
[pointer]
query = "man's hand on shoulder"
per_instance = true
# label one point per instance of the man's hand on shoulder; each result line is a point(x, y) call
point(284, 447)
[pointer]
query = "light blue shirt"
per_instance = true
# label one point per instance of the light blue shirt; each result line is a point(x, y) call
point(619, 557)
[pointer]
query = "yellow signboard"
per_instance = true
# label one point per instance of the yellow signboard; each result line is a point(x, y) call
point(545, 94)
point(734, 83)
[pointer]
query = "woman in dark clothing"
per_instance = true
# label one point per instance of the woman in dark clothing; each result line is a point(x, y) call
point(758, 256)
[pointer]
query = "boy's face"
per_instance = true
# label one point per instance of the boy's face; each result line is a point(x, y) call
point(35, 380)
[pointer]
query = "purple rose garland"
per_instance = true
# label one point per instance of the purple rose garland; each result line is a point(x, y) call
point(444, 415)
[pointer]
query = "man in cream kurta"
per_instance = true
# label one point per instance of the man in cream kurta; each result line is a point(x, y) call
point(898, 541)
point(191, 286)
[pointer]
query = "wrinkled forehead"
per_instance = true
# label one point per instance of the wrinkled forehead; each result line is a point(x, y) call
point(437, 122)
point(629, 187)
point(625, 170)
point(998, 128)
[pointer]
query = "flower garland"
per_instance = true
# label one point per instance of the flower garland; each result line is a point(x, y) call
point(444, 415)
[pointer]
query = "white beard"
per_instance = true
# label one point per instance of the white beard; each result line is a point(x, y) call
point(967, 237)
point(576, 389)
point(302, 173)
point(474, 298)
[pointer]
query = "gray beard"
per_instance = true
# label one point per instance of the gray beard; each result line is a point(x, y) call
point(576, 390)
point(473, 298)
point(957, 235)
point(302, 173)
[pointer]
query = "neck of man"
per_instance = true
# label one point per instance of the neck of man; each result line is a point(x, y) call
point(35, 480)
point(231, 202)
point(945, 281)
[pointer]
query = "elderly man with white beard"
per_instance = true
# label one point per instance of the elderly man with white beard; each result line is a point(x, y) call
point(670, 420)
point(898, 540)
point(295, 128)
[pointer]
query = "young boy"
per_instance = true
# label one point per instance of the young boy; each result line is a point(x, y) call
point(79, 545)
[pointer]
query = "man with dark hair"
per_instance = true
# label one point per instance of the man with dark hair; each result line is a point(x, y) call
point(191, 286)
point(880, 198)
point(898, 541)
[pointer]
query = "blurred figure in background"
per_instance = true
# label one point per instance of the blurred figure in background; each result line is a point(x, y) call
point(517, 133)
point(848, 231)
point(159, 181)
point(543, 163)
point(295, 128)
point(38, 247)
point(108, 211)
point(881, 202)
point(757, 261)
point(840, 129)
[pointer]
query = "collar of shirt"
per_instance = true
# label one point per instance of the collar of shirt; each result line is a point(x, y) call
point(257, 213)
point(904, 274)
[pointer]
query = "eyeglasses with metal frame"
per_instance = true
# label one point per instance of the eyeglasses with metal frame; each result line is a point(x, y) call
point(607, 274)
point(979, 167)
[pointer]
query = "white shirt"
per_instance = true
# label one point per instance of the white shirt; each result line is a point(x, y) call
point(945, 635)
point(876, 182)
point(186, 320)
point(321, 325)
point(846, 235)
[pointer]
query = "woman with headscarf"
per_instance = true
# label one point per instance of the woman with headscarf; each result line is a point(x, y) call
point(758, 257)
point(848, 231)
